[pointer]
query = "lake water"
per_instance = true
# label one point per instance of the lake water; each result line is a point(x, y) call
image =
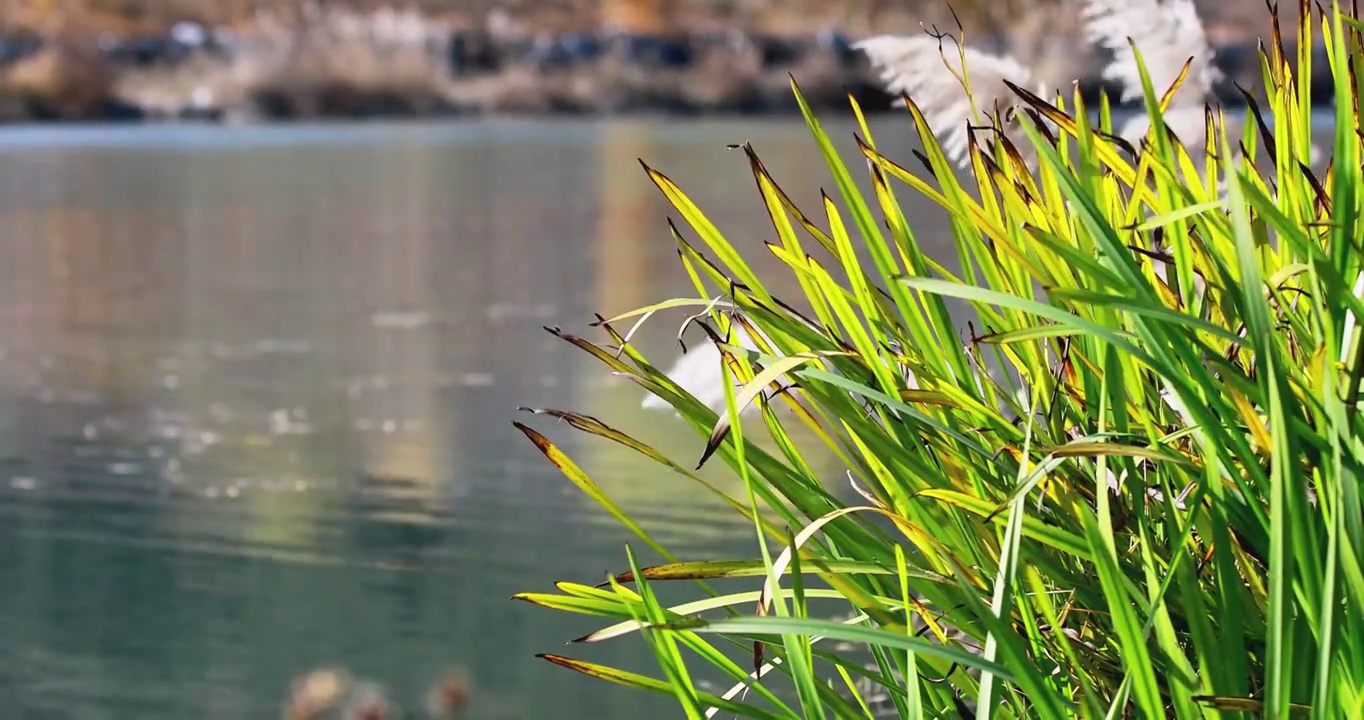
point(256, 393)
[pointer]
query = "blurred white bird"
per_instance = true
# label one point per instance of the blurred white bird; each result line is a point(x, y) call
point(698, 372)
point(1167, 32)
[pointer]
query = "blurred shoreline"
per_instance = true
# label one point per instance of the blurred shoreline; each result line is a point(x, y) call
point(315, 62)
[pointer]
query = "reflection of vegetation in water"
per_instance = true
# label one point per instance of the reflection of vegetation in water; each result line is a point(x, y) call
point(247, 394)
point(350, 418)
point(627, 215)
point(402, 415)
point(229, 454)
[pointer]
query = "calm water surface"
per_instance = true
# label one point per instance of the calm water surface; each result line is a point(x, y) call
point(256, 393)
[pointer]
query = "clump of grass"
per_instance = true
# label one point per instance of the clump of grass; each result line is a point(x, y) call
point(1151, 509)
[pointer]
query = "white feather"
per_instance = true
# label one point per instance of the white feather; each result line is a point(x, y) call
point(698, 372)
point(1167, 32)
point(930, 71)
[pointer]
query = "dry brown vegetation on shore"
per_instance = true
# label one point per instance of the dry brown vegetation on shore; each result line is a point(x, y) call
point(1236, 18)
point(305, 58)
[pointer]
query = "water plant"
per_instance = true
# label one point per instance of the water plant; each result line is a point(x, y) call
point(1150, 508)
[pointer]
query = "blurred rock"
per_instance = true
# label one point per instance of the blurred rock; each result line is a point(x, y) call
point(317, 694)
point(59, 80)
point(369, 702)
point(449, 696)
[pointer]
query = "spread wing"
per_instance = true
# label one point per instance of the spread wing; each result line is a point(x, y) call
point(930, 72)
point(1168, 33)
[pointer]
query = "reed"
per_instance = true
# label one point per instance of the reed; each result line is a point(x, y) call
point(1153, 510)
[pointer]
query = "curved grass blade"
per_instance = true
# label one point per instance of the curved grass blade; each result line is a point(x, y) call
point(717, 569)
point(643, 682)
point(588, 486)
point(767, 626)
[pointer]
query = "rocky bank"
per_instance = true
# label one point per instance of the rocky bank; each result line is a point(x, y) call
point(306, 60)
